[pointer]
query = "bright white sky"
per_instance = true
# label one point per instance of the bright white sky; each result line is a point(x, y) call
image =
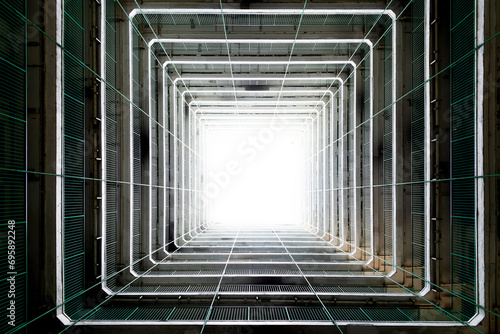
point(254, 179)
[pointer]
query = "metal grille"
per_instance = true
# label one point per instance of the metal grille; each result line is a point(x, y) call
point(138, 143)
point(74, 154)
point(418, 144)
point(463, 115)
point(189, 313)
point(262, 313)
point(365, 154)
point(258, 19)
point(268, 314)
point(12, 154)
point(112, 139)
point(388, 148)
point(146, 134)
point(151, 314)
point(229, 313)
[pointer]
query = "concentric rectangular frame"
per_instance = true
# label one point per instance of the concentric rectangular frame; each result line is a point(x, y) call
point(152, 42)
point(479, 153)
point(375, 12)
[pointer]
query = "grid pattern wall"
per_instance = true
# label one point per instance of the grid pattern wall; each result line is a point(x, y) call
point(321, 179)
point(366, 146)
point(313, 171)
point(349, 160)
point(272, 314)
point(351, 168)
point(337, 177)
point(176, 184)
point(418, 144)
point(138, 146)
point(74, 154)
point(167, 160)
point(463, 142)
point(351, 201)
point(388, 148)
point(278, 48)
point(316, 156)
point(309, 182)
point(173, 160)
point(328, 169)
point(196, 195)
point(13, 157)
point(316, 174)
point(259, 19)
point(112, 140)
point(188, 185)
point(183, 167)
point(192, 185)
point(155, 130)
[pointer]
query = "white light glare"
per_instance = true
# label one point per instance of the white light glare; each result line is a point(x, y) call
point(254, 176)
